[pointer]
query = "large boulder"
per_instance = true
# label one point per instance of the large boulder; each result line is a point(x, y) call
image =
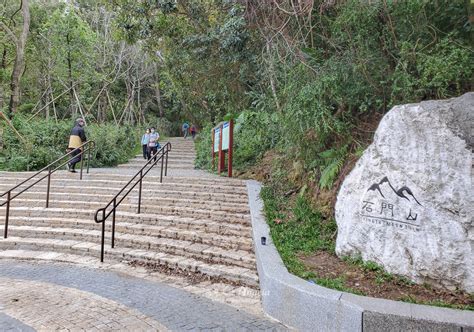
point(408, 204)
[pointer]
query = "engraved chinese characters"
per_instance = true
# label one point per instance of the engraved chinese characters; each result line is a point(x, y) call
point(385, 205)
point(408, 204)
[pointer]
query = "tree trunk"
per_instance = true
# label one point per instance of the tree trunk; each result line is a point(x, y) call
point(3, 66)
point(158, 94)
point(19, 59)
point(71, 83)
point(272, 75)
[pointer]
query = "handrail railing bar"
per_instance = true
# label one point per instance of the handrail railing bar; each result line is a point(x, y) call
point(82, 166)
point(161, 170)
point(91, 144)
point(102, 243)
point(21, 192)
point(159, 155)
point(140, 192)
point(7, 215)
point(80, 154)
point(88, 159)
point(48, 187)
point(128, 183)
point(131, 180)
point(128, 192)
point(46, 167)
point(113, 224)
point(32, 185)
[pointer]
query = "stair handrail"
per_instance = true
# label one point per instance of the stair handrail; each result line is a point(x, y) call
point(85, 147)
point(161, 154)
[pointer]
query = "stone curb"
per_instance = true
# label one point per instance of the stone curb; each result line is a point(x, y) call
point(309, 307)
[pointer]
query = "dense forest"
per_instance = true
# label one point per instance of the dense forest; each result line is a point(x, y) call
point(310, 77)
point(307, 82)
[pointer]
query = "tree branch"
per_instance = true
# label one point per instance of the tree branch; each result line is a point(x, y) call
point(9, 33)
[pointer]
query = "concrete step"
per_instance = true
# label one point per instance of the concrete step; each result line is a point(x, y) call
point(137, 167)
point(185, 223)
point(111, 188)
point(168, 183)
point(171, 159)
point(240, 240)
point(119, 180)
point(148, 198)
point(64, 191)
point(226, 273)
point(208, 211)
point(188, 249)
point(103, 174)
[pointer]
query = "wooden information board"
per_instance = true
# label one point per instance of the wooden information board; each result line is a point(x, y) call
point(222, 142)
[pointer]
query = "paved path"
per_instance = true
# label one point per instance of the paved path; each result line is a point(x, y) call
point(10, 324)
point(58, 296)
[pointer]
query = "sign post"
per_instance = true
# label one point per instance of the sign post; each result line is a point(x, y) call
point(221, 154)
point(213, 154)
point(231, 144)
point(222, 141)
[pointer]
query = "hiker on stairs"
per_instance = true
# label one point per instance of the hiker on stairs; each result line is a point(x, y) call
point(76, 139)
point(153, 143)
point(145, 141)
point(184, 129)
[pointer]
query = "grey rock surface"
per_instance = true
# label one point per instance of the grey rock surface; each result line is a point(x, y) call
point(408, 204)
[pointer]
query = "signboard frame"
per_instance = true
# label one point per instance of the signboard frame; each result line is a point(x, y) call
point(222, 142)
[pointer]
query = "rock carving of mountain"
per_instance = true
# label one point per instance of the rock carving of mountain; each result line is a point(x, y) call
point(401, 192)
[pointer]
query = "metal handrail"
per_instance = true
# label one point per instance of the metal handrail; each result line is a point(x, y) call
point(162, 155)
point(86, 147)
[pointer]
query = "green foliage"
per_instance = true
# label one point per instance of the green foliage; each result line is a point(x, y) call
point(206, 52)
point(24, 108)
point(73, 41)
point(438, 303)
point(381, 276)
point(46, 141)
point(336, 283)
point(115, 144)
point(163, 126)
point(332, 161)
point(305, 231)
point(203, 148)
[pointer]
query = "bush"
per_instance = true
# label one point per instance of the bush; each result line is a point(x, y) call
point(45, 141)
point(163, 126)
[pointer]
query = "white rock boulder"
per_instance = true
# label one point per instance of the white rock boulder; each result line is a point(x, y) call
point(408, 205)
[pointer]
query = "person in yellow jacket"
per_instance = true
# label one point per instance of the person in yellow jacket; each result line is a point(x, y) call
point(76, 139)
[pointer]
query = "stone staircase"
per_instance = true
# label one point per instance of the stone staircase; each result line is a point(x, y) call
point(193, 224)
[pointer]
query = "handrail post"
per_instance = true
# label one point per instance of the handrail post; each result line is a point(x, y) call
point(140, 192)
point(161, 171)
point(88, 157)
point(102, 242)
point(82, 162)
point(7, 214)
point(113, 223)
point(166, 166)
point(48, 188)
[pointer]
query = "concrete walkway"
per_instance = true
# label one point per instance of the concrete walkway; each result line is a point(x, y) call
point(47, 296)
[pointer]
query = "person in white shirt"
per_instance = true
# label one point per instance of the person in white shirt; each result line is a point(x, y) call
point(153, 143)
point(145, 140)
